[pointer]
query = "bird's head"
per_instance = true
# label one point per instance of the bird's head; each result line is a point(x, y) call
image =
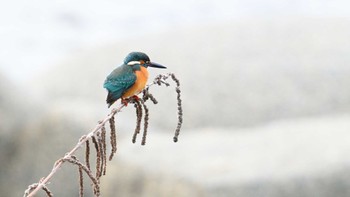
point(137, 59)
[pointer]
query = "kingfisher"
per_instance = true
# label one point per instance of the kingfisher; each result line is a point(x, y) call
point(128, 79)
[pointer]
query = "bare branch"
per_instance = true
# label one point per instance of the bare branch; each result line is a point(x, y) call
point(147, 95)
point(81, 182)
point(59, 163)
point(73, 160)
point(100, 144)
point(34, 186)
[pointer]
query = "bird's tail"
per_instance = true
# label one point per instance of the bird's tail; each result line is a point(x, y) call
point(110, 99)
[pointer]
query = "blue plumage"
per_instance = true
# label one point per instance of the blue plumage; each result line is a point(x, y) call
point(121, 79)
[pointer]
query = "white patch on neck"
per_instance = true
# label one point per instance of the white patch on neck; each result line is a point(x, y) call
point(133, 63)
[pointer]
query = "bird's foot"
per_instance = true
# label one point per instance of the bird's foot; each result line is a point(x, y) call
point(135, 97)
point(125, 101)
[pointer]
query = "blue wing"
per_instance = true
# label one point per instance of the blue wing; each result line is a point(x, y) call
point(120, 80)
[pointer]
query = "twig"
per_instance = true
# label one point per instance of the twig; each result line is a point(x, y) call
point(104, 157)
point(179, 107)
point(87, 154)
point(145, 122)
point(34, 188)
point(81, 182)
point(59, 163)
point(138, 107)
point(113, 138)
point(75, 161)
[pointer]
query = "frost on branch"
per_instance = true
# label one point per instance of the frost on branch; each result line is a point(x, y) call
point(98, 138)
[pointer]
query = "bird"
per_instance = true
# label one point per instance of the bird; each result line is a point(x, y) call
point(130, 78)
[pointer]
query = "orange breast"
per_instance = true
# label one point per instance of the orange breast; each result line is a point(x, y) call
point(140, 83)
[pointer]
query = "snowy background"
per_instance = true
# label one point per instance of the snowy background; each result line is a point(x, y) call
point(45, 32)
point(265, 88)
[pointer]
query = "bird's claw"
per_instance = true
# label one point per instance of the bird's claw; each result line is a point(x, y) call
point(125, 101)
point(135, 97)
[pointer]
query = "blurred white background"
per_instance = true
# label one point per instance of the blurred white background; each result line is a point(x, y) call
point(45, 32)
point(265, 88)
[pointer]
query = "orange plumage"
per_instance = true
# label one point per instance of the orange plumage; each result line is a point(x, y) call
point(140, 83)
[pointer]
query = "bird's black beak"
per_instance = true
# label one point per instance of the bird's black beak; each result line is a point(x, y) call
point(155, 65)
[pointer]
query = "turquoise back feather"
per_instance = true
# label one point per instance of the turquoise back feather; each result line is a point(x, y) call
point(120, 80)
